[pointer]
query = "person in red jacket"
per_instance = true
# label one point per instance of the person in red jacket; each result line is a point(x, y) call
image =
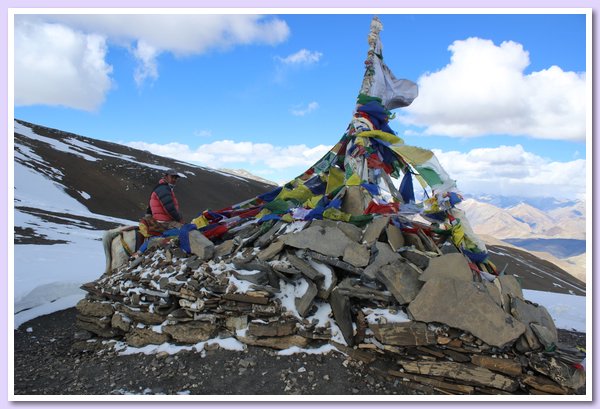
point(164, 206)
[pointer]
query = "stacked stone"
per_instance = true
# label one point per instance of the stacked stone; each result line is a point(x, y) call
point(387, 292)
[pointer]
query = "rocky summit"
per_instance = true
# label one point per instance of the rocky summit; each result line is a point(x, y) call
point(364, 291)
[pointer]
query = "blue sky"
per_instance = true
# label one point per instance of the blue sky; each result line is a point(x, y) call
point(502, 97)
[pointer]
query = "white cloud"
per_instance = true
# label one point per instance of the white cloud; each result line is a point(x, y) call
point(484, 90)
point(203, 133)
point(303, 56)
point(219, 153)
point(67, 53)
point(56, 65)
point(147, 67)
point(301, 111)
point(510, 170)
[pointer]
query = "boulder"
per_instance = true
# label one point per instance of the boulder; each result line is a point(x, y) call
point(401, 278)
point(443, 300)
point(329, 241)
point(448, 266)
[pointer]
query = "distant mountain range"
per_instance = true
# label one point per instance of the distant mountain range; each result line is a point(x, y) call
point(541, 203)
point(524, 221)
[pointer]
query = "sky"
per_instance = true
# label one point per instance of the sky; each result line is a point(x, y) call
point(502, 97)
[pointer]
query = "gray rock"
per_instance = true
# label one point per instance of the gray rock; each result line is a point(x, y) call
point(411, 239)
point(120, 322)
point(140, 337)
point(466, 306)
point(385, 255)
point(95, 309)
point(404, 334)
point(304, 302)
point(448, 266)
point(200, 245)
point(325, 240)
point(272, 329)
point(529, 313)
point(493, 292)
point(509, 287)
point(225, 248)
point(259, 278)
point(236, 322)
point(271, 251)
point(357, 254)
point(395, 237)
point(418, 258)
point(304, 267)
point(354, 233)
point(401, 278)
point(560, 372)
point(191, 332)
point(340, 305)
point(141, 316)
point(354, 202)
point(264, 240)
point(374, 229)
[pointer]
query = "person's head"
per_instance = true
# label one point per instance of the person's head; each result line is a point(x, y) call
point(171, 176)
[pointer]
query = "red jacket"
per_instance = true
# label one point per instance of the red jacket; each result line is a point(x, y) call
point(163, 203)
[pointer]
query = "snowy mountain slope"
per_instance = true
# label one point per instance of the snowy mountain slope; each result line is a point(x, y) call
point(68, 189)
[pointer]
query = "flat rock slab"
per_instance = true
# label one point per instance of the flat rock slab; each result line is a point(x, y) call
point(418, 258)
point(357, 254)
point(374, 229)
point(271, 329)
point(443, 300)
point(404, 334)
point(385, 255)
point(506, 366)
point(509, 287)
point(140, 337)
point(191, 332)
point(304, 302)
point(305, 268)
point(328, 241)
point(275, 342)
point(401, 278)
point(461, 372)
point(448, 266)
point(395, 237)
point(529, 313)
point(271, 251)
point(340, 305)
point(95, 309)
point(353, 232)
point(354, 201)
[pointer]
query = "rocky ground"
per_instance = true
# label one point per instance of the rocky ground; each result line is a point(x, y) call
point(48, 360)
